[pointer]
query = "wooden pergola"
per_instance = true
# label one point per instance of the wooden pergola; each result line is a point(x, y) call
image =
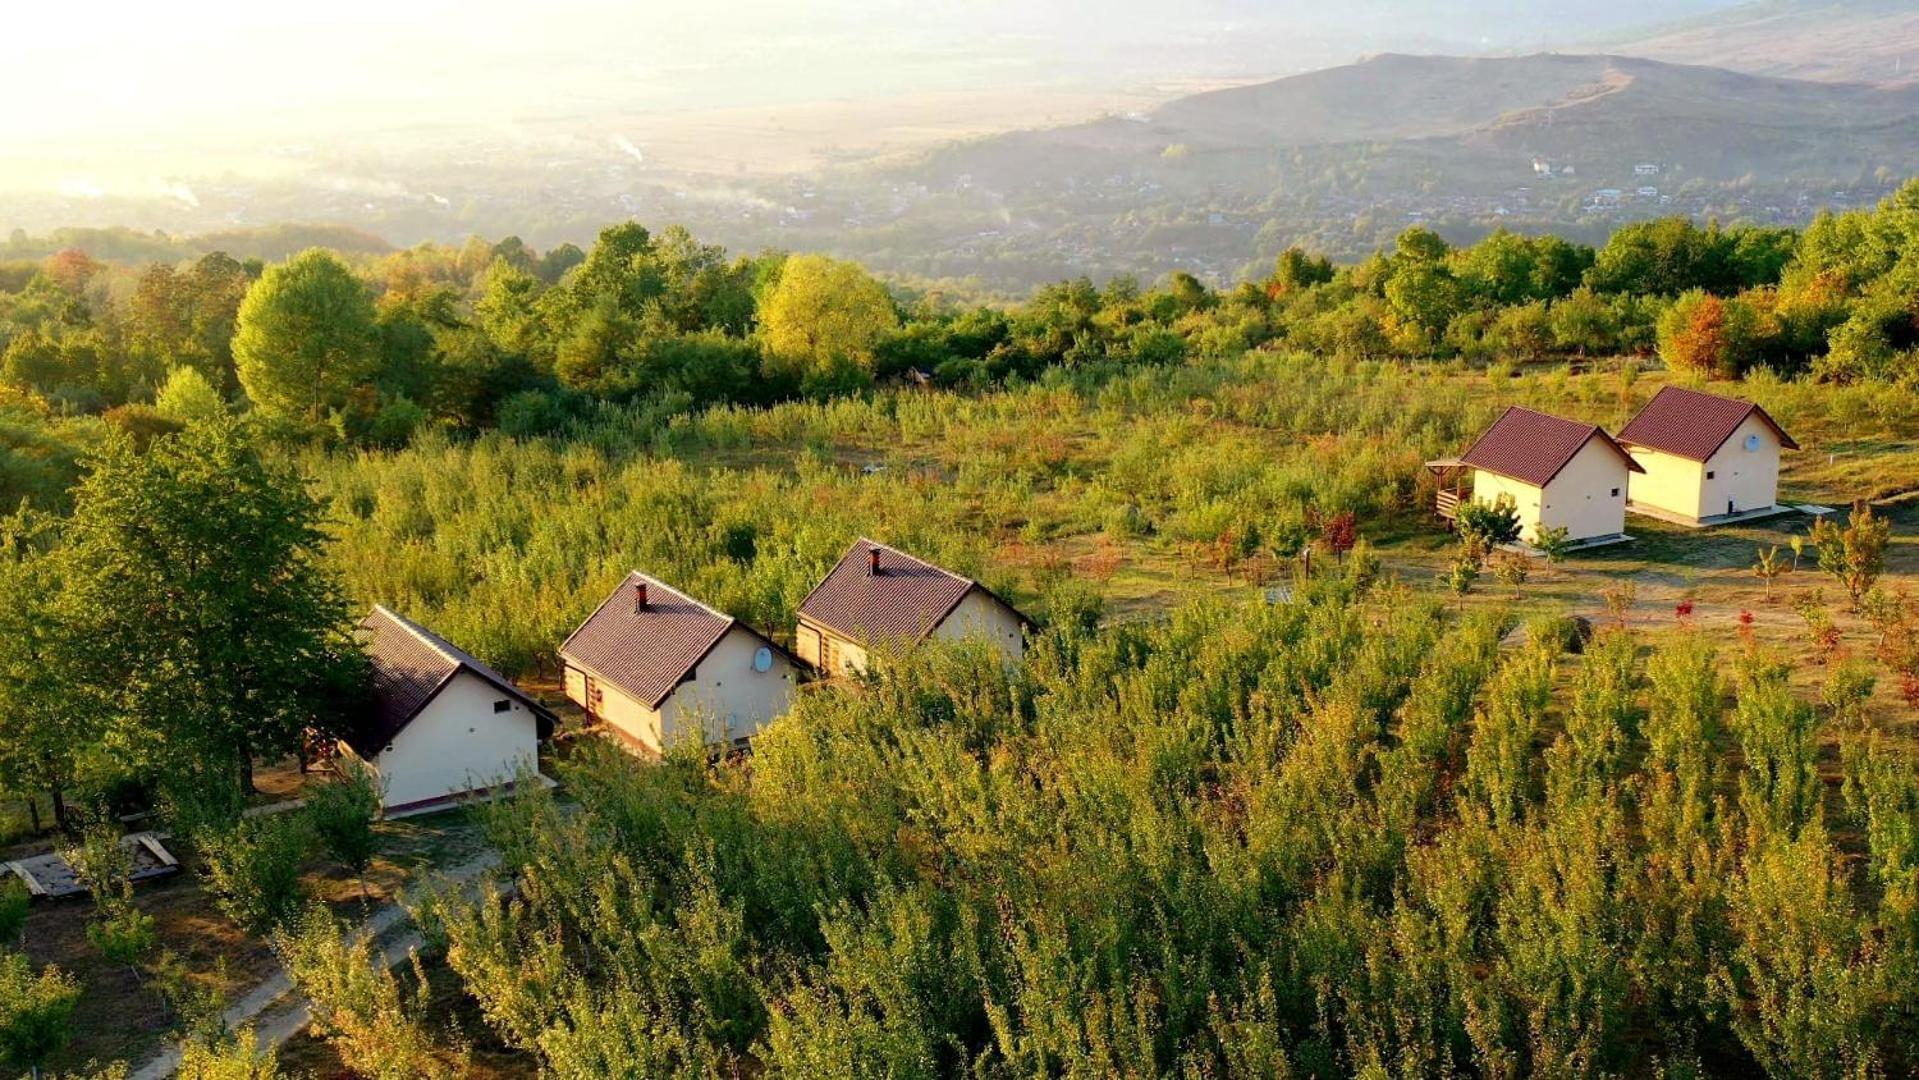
point(1452, 473)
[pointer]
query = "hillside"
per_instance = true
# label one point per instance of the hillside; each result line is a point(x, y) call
point(1853, 41)
point(1475, 124)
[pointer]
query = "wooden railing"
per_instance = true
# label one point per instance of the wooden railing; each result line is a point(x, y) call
point(1447, 504)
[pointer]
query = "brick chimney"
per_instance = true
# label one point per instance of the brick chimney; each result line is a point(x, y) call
point(639, 596)
point(872, 562)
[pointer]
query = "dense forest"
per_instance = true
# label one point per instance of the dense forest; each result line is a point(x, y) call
point(1369, 831)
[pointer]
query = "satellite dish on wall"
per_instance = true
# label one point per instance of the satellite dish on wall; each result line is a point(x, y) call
point(763, 660)
point(1752, 442)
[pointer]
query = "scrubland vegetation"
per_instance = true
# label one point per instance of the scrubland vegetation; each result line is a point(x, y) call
point(1348, 836)
point(1365, 831)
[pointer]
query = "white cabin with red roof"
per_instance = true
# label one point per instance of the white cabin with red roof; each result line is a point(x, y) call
point(1705, 458)
point(442, 726)
point(1558, 473)
point(880, 596)
point(654, 666)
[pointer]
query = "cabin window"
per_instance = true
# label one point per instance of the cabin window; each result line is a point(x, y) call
point(502, 705)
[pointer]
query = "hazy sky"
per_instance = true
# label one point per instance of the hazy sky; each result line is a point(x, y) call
point(112, 68)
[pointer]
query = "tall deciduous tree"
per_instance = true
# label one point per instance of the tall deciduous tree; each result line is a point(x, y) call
point(197, 588)
point(824, 313)
point(45, 714)
point(305, 335)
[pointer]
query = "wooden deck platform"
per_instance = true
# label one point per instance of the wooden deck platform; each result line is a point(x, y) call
point(50, 875)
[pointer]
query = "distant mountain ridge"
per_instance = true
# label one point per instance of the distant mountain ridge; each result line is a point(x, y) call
point(1873, 41)
point(1475, 123)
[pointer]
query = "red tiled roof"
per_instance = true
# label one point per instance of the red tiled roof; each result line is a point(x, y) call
point(904, 601)
point(1693, 424)
point(411, 665)
point(1532, 447)
point(647, 651)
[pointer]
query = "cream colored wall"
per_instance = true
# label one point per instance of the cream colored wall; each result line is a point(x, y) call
point(633, 719)
point(852, 656)
point(1581, 498)
point(458, 743)
point(1670, 482)
point(980, 617)
point(1749, 478)
point(1488, 487)
point(726, 699)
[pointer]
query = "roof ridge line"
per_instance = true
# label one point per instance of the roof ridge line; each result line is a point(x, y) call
point(433, 641)
point(695, 601)
point(908, 555)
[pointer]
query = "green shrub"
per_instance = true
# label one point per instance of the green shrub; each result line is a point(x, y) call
point(36, 1010)
point(253, 868)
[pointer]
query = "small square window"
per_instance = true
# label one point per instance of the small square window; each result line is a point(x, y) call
point(1615, 493)
point(1709, 474)
point(502, 705)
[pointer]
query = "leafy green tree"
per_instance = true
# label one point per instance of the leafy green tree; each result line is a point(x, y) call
point(125, 936)
point(1856, 555)
point(188, 397)
point(1522, 332)
point(36, 1011)
point(589, 354)
point(201, 610)
point(620, 270)
point(702, 290)
point(1583, 322)
point(1491, 523)
point(33, 361)
point(358, 1004)
point(51, 714)
point(1425, 295)
point(1664, 258)
point(344, 811)
point(1879, 339)
point(824, 314)
point(507, 309)
point(102, 865)
point(1801, 985)
point(253, 867)
point(1420, 245)
point(228, 1055)
point(1554, 542)
point(305, 336)
point(1295, 270)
